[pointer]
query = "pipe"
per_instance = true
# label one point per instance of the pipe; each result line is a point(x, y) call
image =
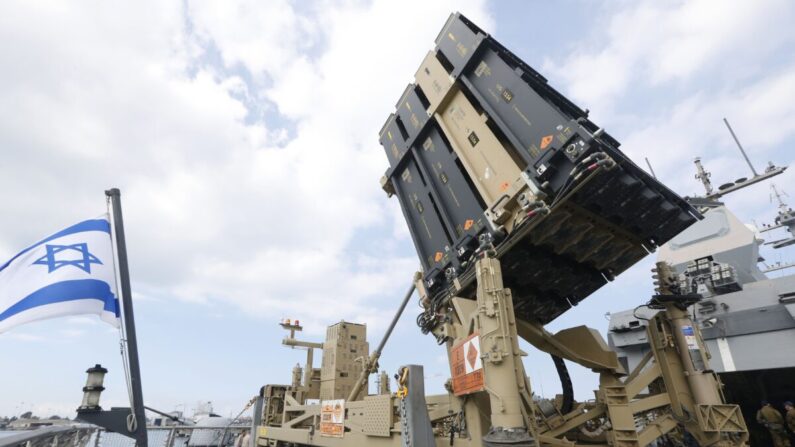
point(373, 360)
point(740, 146)
point(136, 421)
point(651, 170)
point(172, 417)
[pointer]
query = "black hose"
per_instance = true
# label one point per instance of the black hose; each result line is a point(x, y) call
point(565, 384)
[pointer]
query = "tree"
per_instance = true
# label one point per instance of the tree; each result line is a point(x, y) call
point(26, 415)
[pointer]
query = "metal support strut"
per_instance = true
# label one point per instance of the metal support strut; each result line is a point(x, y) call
point(372, 362)
point(503, 372)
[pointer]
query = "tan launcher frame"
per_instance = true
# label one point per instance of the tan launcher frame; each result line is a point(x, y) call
point(671, 391)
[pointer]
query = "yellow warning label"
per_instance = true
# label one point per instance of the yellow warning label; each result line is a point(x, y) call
point(468, 224)
point(439, 256)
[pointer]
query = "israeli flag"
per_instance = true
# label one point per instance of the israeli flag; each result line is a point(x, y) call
point(71, 272)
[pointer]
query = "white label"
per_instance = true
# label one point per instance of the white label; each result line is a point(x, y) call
point(690, 337)
point(332, 418)
point(472, 355)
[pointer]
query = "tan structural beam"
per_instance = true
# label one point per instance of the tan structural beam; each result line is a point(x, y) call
point(371, 365)
point(503, 371)
point(580, 344)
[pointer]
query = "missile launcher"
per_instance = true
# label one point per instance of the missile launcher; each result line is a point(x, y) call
point(519, 207)
point(484, 152)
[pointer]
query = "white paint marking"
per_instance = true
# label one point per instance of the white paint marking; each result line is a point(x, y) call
point(726, 355)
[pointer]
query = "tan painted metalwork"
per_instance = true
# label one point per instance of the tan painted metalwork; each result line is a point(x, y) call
point(504, 374)
point(490, 161)
point(656, 399)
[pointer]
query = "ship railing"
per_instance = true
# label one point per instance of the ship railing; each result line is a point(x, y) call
point(63, 436)
point(92, 436)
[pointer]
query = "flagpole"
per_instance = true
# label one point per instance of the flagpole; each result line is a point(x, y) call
point(128, 320)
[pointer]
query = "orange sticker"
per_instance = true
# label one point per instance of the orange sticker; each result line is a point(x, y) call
point(504, 186)
point(546, 141)
point(466, 366)
point(438, 256)
point(468, 224)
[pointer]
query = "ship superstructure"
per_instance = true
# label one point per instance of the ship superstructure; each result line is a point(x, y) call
point(747, 319)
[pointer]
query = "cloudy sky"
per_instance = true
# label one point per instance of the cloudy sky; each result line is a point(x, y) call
point(243, 135)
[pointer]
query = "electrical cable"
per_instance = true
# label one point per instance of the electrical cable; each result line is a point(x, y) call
point(635, 314)
point(565, 383)
point(601, 159)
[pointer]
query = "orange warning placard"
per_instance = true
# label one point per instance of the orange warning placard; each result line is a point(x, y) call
point(332, 418)
point(546, 141)
point(466, 366)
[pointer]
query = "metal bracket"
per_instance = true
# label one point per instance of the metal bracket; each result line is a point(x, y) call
point(115, 420)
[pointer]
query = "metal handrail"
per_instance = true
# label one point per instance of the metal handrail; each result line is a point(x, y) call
point(50, 435)
point(91, 436)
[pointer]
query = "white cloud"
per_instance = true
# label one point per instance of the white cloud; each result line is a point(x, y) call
point(308, 199)
point(219, 207)
point(650, 43)
point(262, 36)
point(760, 114)
point(661, 77)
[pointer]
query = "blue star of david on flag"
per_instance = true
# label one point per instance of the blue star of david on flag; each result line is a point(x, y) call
point(79, 277)
point(83, 262)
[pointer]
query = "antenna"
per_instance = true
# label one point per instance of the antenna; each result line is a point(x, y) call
point(650, 168)
point(785, 218)
point(741, 147)
point(703, 175)
point(778, 196)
